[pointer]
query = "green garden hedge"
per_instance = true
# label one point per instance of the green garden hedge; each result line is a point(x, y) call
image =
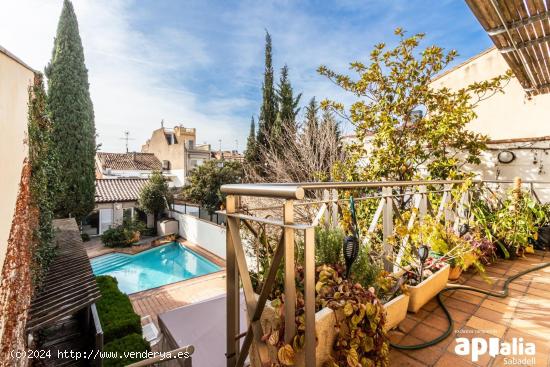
point(129, 343)
point(116, 314)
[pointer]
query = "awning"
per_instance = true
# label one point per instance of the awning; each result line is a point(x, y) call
point(520, 29)
point(69, 285)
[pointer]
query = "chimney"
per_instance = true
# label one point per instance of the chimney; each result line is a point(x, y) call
point(134, 156)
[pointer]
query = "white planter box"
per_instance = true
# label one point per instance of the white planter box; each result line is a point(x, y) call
point(420, 294)
point(396, 311)
point(167, 226)
point(325, 320)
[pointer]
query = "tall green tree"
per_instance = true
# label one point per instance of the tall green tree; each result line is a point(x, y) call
point(205, 181)
point(398, 142)
point(268, 111)
point(287, 104)
point(73, 118)
point(250, 154)
point(311, 127)
point(155, 196)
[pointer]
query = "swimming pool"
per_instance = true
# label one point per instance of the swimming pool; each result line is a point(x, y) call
point(153, 268)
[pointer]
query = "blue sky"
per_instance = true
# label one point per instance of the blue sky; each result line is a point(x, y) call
point(200, 63)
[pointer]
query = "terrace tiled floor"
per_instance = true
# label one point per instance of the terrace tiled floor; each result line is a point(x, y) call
point(525, 313)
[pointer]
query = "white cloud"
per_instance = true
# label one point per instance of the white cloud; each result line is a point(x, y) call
point(131, 74)
point(202, 67)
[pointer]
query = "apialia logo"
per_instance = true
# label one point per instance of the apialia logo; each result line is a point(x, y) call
point(476, 347)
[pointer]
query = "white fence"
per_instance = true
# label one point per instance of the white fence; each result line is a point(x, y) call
point(206, 234)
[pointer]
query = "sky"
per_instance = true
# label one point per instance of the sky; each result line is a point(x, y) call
point(200, 63)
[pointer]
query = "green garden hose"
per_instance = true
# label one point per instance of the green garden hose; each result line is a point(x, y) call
point(501, 294)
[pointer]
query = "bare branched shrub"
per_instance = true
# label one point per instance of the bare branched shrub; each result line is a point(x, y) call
point(304, 156)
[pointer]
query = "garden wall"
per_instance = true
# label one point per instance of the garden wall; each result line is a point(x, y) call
point(15, 217)
point(205, 234)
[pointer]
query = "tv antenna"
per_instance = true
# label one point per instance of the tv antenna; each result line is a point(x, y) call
point(126, 138)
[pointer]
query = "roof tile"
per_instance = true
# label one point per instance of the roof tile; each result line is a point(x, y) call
point(118, 189)
point(129, 161)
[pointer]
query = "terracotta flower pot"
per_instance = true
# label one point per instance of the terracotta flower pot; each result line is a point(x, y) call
point(396, 311)
point(455, 272)
point(420, 294)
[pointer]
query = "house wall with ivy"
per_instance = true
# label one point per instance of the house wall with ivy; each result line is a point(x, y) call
point(15, 211)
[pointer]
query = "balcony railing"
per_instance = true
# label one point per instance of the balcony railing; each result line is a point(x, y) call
point(293, 212)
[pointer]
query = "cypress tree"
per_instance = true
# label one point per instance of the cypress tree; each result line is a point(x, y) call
point(268, 111)
point(250, 155)
point(288, 104)
point(311, 118)
point(73, 118)
point(311, 126)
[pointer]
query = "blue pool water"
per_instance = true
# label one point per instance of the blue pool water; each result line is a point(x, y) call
point(152, 268)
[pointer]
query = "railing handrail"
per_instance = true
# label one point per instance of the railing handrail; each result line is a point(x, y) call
point(296, 190)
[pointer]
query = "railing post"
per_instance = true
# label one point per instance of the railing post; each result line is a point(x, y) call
point(290, 279)
point(232, 284)
point(387, 225)
point(334, 208)
point(309, 296)
point(326, 216)
point(423, 208)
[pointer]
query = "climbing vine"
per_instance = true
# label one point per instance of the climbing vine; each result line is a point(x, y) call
point(43, 181)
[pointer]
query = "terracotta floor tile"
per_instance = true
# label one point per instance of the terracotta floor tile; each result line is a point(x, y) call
point(486, 326)
point(437, 322)
point(427, 356)
point(399, 359)
point(539, 292)
point(470, 297)
point(458, 316)
point(452, 360)
point(418, 316)
point(494, 316)
point(460, 305)
point(542, 345)
point(503, 361)
point(492, 304)
point(395, 336)
point(407, 325)
point(538, 328)
point(430, 306)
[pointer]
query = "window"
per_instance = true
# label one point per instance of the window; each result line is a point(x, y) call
point(190, 144)
point(127, 214)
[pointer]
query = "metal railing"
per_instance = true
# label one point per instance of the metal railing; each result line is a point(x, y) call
point(96, 333)
point(201, 213)
point(391, 197)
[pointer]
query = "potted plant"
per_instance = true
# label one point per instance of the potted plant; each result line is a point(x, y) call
point(349, 319)
point(394, 295)
point(349, 323)
point(425, 281)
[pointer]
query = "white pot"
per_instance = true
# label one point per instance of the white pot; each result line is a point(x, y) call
point(396, 311)
point(420, 294)
point(325, 320)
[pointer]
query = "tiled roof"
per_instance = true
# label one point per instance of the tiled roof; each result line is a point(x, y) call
point(118, 189)
point(129, 161)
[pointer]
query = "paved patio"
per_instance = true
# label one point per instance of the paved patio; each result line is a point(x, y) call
point(525, 313)
point(159, 300)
